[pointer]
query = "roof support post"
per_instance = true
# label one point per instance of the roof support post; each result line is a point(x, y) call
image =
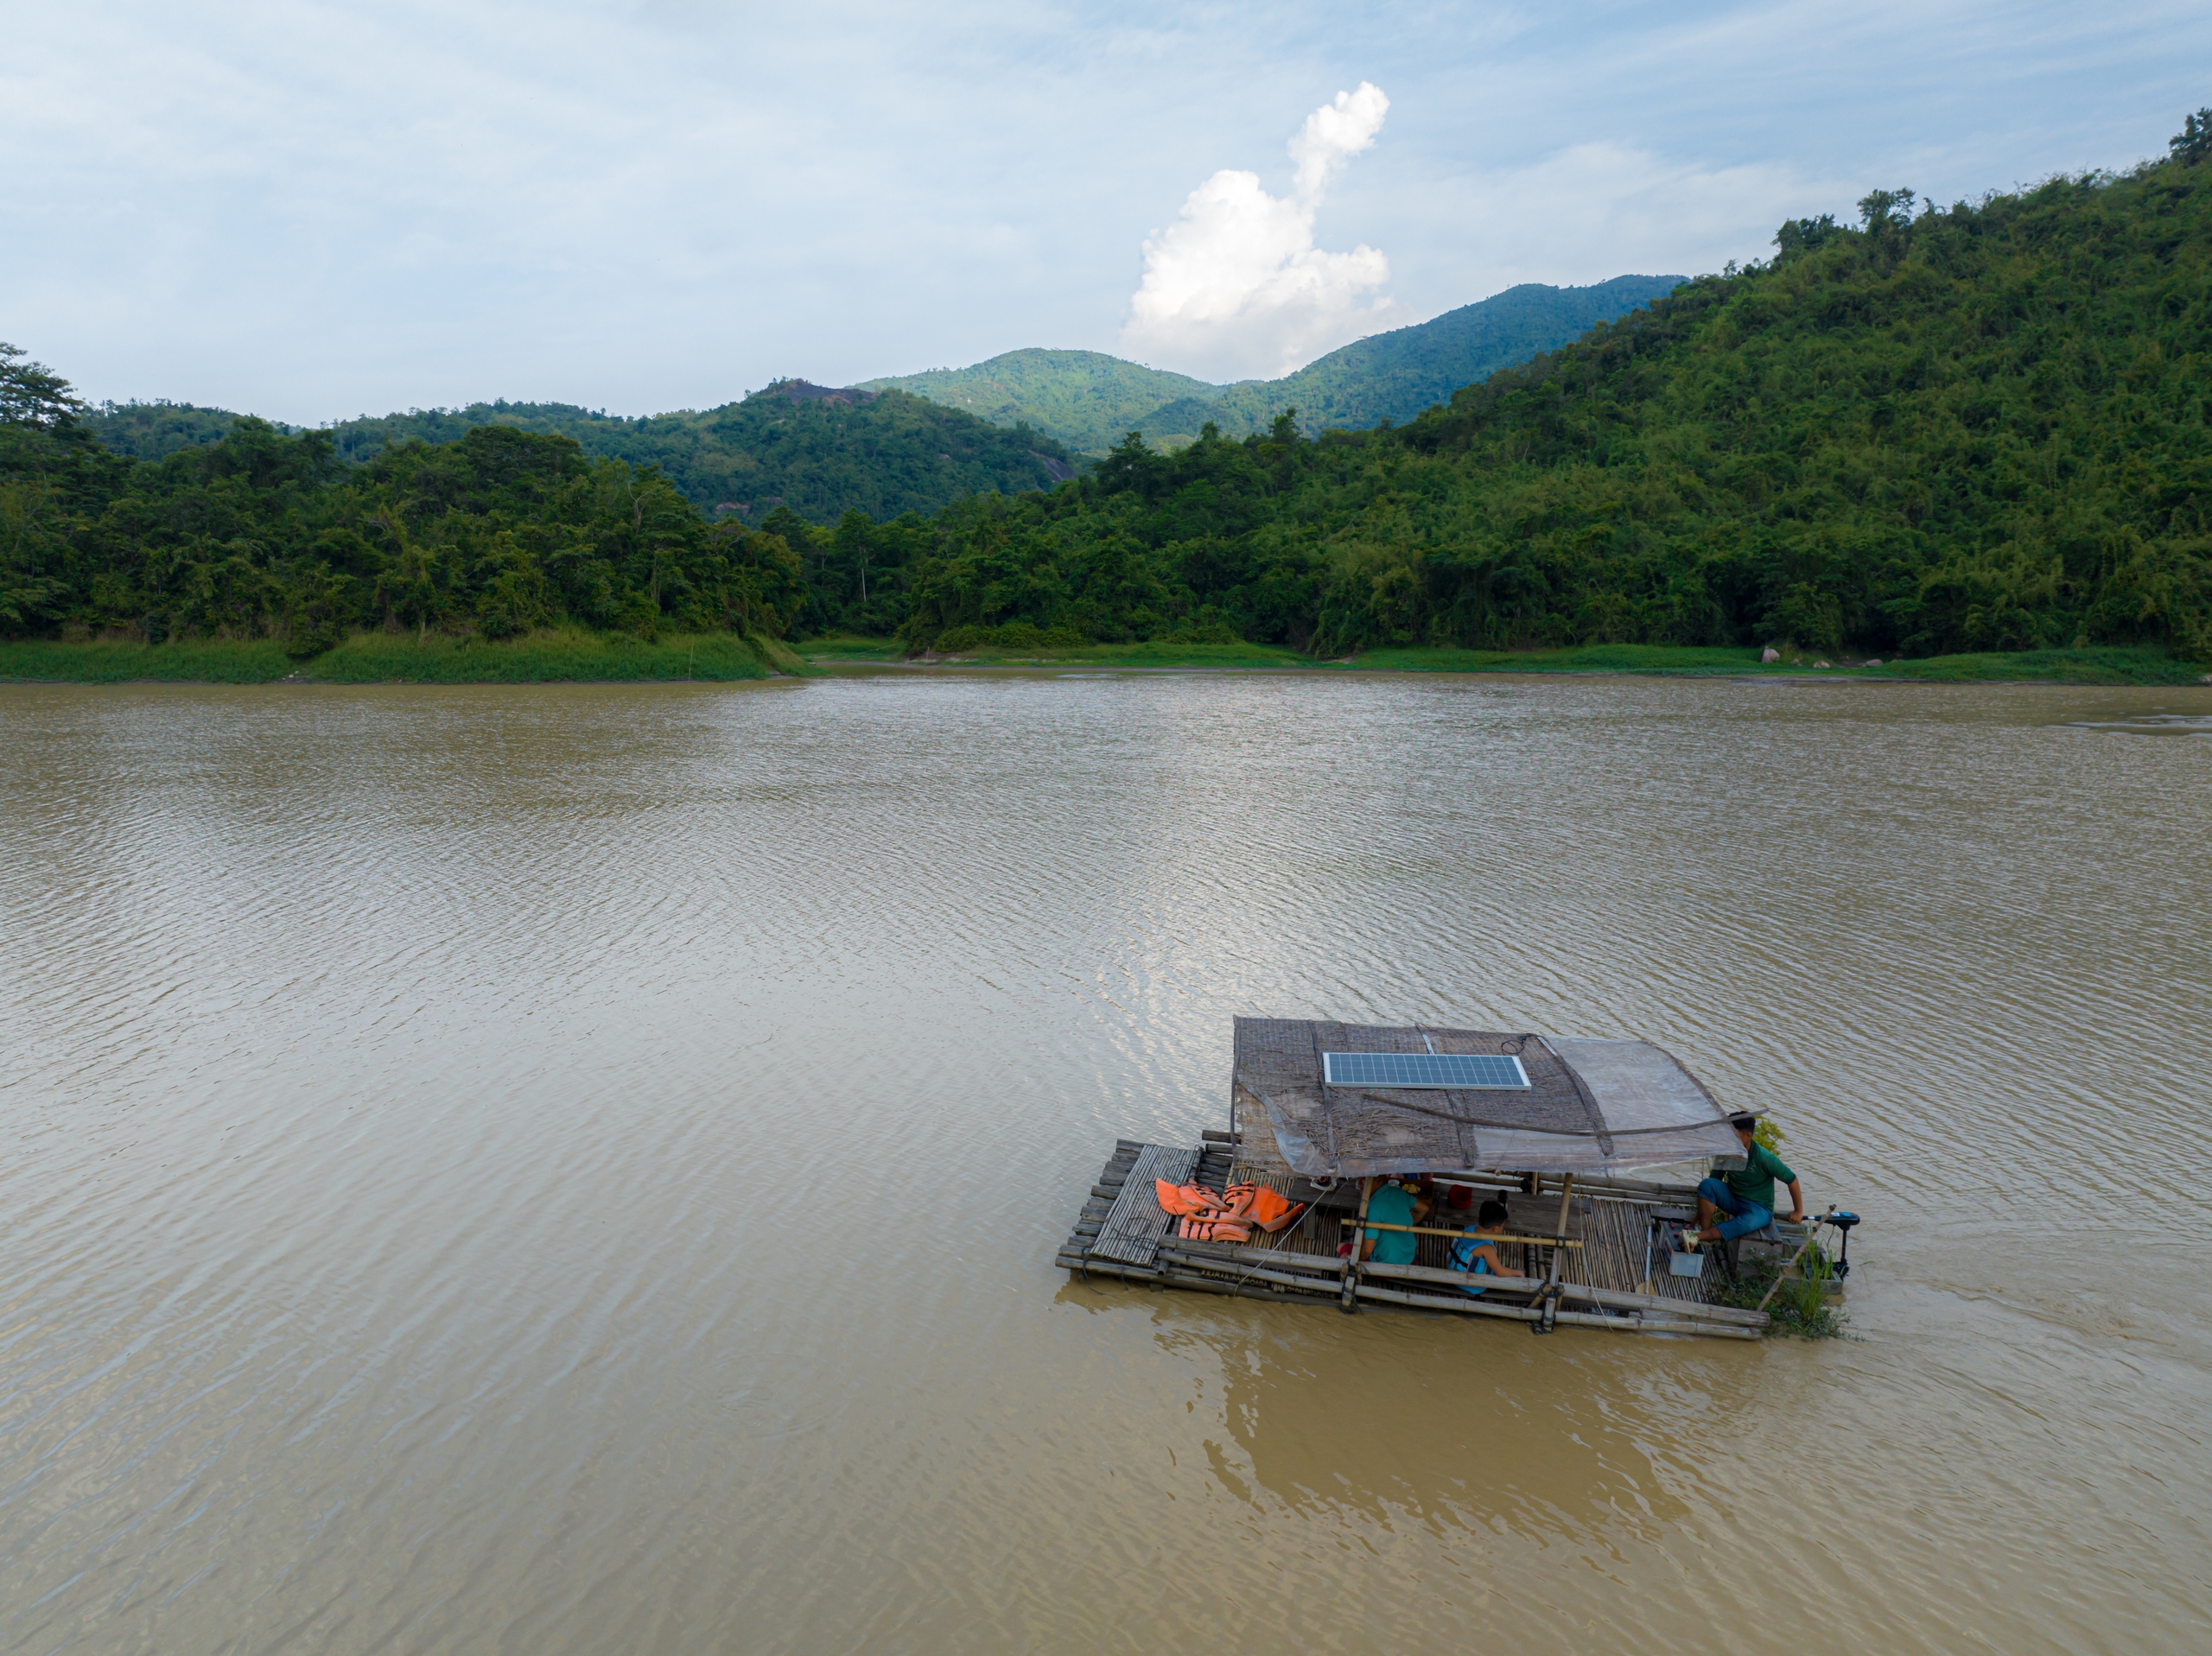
point(1348, 1301)
point(1549, 1298)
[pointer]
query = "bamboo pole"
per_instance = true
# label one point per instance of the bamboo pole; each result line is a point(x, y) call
point(1550, 1297)
point(1426, 1230)
point(1811, 1233)
point(1349, 1303)
point(1606, 1297)
point(1566, 1198)
point(1618, 1298)
point(1475, 1308)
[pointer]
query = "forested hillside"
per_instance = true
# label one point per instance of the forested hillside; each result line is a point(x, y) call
point(1017, 422)
point(156, 430)
point(1090, 400)
point(263, 535)
point(818, 451)
point(1984, 426)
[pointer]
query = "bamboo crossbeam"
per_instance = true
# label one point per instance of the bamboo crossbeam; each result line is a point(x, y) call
point(1233, 1258)
point(1463, 1306)
point(1691, 1308)
point(1787, 1269)
point(1418, 1230)
point(1599, 1184)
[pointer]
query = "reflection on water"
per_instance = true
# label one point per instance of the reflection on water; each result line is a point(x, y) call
point(2151, 724)
point(1436, 1449)
point(578, 1169)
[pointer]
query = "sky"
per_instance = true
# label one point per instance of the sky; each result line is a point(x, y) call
point(313, 212)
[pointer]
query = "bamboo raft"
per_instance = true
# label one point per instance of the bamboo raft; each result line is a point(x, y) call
point(1592, 1247)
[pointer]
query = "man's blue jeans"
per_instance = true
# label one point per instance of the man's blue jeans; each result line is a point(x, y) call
point(1744, 1216)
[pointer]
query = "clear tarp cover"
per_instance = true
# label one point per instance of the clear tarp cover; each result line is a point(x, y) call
point(1591, 1107)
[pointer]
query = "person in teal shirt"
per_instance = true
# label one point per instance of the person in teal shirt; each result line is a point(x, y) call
point(1390, 1202)
point(1746, 1195)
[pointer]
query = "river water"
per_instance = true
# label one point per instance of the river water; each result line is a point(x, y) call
point(578, 1169)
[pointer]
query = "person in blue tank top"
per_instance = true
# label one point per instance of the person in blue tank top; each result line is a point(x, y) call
point(1746, 1195)
point(1475, 1249)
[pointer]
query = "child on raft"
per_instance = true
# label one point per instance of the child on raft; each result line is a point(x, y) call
point(1475, 1249)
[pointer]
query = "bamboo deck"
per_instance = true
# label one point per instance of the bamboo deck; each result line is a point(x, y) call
point(1608, 1281)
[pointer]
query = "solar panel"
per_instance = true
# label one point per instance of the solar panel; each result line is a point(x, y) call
point(1436, 1070)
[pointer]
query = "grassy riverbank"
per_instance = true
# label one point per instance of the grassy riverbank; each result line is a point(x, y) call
point(2102, 665)
point(846, 650)
point(575, 656)
point(554, 656)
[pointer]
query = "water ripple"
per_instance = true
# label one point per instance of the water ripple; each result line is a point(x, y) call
point(578, 1168)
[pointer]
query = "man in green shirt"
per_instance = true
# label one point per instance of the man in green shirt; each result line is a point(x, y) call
point(1746, 1195)
point(1390, 1203)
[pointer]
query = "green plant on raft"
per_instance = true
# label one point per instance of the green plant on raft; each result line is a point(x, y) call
point(1800, 1305)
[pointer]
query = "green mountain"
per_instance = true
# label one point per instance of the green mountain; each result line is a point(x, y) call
point(919, 443)
point(1085, 398)
point(1977, 428)
point(819, 452)
point(1090, 401)
point(1394, 376)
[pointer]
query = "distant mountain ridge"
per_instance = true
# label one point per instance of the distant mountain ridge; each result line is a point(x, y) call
point(1089, 400)
point(1018, 421)
point(819, 450)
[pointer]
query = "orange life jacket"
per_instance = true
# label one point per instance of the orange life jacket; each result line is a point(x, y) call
point(1273, 1210)
point(1241, 1206)
point(1190, 1200)
point(1213, 1230)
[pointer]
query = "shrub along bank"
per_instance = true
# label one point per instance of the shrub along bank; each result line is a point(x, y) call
point(2095, 665)
point(567, 654)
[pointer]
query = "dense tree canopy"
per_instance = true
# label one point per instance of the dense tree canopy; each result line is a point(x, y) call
point(817, 450)
point(1984, 426)
point(265, 534)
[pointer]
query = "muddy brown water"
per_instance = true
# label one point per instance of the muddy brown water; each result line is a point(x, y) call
point(578, 1169)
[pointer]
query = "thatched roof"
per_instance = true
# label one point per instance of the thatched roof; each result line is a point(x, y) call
point(1590, 1107)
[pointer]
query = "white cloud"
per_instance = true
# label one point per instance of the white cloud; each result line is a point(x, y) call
point(1236, 287)
point(312, 208)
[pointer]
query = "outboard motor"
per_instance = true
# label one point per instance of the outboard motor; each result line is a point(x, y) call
point(1843, 1221)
